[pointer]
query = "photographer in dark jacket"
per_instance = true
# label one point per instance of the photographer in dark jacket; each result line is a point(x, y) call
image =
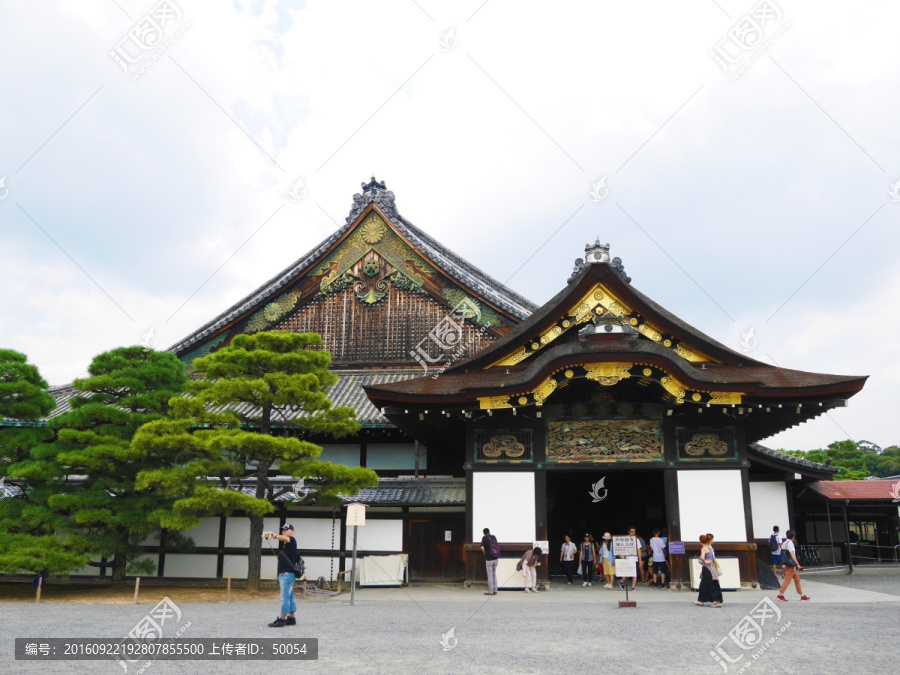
point(286, 577)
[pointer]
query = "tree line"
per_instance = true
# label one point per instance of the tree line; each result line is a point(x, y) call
point(146, 448)
point(855, 459)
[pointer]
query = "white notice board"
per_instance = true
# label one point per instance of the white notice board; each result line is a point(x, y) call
point(625, 546)
point(625, 567)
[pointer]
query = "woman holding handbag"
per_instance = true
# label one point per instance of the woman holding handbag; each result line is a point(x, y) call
point(791, 566)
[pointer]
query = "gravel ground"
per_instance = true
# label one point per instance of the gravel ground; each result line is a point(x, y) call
point(847, 627)
point(880, 580)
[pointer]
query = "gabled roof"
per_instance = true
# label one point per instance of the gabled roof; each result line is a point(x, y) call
point(375, 197)
point(780, 457)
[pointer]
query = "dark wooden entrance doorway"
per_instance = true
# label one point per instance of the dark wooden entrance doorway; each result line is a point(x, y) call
point(431, 556)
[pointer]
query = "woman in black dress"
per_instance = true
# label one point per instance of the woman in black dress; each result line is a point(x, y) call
point(710, 591)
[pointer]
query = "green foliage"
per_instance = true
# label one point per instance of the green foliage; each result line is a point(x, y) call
point(856, 460)
point(82, 481)
point(237, 423)
point(28, 554)
point(23, 399)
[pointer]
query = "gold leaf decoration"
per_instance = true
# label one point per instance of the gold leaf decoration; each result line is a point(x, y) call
point(372, 231)
point(705, 444)
point(608, 374)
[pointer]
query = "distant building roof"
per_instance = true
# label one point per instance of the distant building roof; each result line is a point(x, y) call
point(790, 459)
point(859, 490)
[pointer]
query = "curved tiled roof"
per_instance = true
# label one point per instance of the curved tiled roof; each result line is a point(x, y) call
point(789, 459)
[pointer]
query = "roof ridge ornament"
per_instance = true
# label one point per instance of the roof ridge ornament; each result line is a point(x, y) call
point(373, 191)
point(598, 253)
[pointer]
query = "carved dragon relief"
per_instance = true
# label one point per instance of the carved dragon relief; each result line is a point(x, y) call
point(603, 440)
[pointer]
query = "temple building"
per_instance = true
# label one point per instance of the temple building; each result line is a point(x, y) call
point(597, 411)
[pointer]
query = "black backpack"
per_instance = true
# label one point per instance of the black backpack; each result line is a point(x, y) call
point(773, 543)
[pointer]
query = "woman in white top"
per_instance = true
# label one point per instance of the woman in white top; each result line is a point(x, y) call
point(567, 558)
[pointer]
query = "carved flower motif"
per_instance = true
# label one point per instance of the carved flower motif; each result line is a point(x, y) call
point(272, 312)
point(373, 231)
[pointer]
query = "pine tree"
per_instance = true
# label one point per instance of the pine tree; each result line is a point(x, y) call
point(82, 483)
point(254, 392)
point(24, 403)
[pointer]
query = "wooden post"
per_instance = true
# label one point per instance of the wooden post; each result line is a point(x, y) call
point(137, 588)
point(40, 583)
point(228, 592)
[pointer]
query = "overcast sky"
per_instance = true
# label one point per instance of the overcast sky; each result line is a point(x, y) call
point(137, 196)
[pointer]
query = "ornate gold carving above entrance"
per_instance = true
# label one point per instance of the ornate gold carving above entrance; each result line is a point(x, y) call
point(602, 302)
point(608, 374)
point(603, 441)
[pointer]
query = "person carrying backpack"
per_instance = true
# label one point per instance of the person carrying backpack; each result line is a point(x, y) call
point(775, 543)
point(491, 549)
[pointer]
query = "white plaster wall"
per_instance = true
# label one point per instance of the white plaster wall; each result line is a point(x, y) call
point(237, 531)
point(711, 501)
point(236, 566)
point(197, 565)
point(315, 533)
point(206, 533)
point(769, 507)
point(503, 501)
point(377, 535)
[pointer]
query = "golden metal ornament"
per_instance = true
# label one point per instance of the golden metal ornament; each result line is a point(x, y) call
point(724, 398)
point(514, 358)
point(551, 334)
point(569, 374)
point(608, 374)
point(673, 386)
point(373, 229)
point(523, 400)
point(494, 402)
point(648, 331)
point(543, 390)
point(647, 372)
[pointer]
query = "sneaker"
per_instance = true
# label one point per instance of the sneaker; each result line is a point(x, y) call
point(607, 586)
point(570, 583)
point(621, 586)
point(804, 597)
point(633, 589)
point(781, 597)
point(589, 583)
point(290, 621)
point(278, 623)
point(584, 585)
point(527, 591)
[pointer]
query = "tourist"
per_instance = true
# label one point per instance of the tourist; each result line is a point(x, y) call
point(710, 591)
point(644, 557)
point(567, 558)
point(606, 555)
point(286, 576)
point(791, 567)
point(586, 559)
point(529, 561)
point(638, 566)
point(660, 568)
point(775, 540)
point(491, 550)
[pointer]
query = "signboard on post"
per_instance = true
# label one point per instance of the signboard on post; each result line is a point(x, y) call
point(625, 567)
point(356, 515)
point(676, 547)
point(623, 546)
point(543, 545)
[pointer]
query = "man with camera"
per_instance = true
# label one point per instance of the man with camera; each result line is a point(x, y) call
point(286, 577)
